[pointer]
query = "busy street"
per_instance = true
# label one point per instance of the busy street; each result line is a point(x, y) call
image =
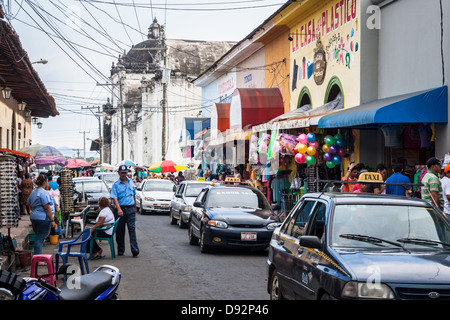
point(225, 151)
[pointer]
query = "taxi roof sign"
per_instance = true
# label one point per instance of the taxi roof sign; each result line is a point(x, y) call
point(370, 177)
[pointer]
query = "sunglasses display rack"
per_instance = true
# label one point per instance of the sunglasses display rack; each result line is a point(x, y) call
point(66, 190)
point(9, 205)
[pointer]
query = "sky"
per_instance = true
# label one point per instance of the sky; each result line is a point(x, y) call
point(81, 39)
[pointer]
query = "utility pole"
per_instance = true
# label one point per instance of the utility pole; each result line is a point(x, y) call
point(97, 115)
point(84, 143)
point(164, 103)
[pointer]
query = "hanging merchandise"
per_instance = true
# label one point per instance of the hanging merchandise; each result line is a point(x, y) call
point(66, 193)
point(9, 206)
point(253, 150)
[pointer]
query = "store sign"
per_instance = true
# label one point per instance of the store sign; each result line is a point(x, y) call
point(320, 63)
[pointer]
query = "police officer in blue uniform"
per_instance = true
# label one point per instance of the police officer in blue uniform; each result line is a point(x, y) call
point(123, 194)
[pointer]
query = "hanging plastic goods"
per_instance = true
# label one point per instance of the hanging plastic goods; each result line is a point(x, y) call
point(9, 192)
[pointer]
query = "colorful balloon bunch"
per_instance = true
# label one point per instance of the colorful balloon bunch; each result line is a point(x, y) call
point(307, 149)
point(334, 151)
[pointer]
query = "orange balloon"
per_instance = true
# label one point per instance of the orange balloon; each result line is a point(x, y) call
point(326, 148)
point(311, 151)
point(301, 147)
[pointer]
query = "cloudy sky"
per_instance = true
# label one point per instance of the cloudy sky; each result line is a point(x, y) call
point(81, 39)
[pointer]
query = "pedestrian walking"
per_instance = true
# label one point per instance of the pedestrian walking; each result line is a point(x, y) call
point(397, 177)
point(123, 194)
point(431, 189)
point(41, 213)
point(445, 181)
point(26, 188)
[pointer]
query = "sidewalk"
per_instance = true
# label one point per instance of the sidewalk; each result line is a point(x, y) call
point(21, 236)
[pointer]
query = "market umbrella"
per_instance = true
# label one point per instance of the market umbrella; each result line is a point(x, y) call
point(76, 163)
point(105, 166)
point(33, 149)
point(48, 156)
point(126, 162)
point(166, 166)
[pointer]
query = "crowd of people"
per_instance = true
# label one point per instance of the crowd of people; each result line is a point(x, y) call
point(434, 185)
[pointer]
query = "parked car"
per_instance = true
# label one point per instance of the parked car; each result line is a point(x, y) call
point(360, 246)
point(229, 215)
point(108, 177)
point(90, 189)
point(183, 199)
point(154, 195)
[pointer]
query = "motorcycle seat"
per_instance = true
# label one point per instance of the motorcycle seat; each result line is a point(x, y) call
point(91, 285)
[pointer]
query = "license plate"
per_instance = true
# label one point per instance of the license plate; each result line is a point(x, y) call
point(248, 236)
point(165, 206)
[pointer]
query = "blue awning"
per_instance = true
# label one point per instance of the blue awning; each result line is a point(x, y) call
point(429, 106)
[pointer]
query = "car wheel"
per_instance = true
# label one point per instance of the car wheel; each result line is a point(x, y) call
point(204, 248)
point(325, 296)
point(181, 223)
point(193, 240)
point(172, 219)
point(275, 291)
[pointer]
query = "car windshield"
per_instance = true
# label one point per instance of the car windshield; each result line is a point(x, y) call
point(158, 185)
point(367, 225)
point(237, 197)
point(192, 190)
point(91, 187)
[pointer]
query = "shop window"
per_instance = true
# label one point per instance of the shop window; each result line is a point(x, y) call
point(333, 89)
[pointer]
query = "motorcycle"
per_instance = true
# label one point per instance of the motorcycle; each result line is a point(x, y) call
point(102, 284)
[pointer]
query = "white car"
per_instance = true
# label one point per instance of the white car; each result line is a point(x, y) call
point(154, 195)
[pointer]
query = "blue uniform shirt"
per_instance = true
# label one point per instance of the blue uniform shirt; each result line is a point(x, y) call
point(123, 192)
point(37, 200)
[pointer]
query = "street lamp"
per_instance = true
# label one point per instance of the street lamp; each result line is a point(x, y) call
point(34, 120)
point(22, 106)
point(39, 125)
point(6, 92)
point(42, 61)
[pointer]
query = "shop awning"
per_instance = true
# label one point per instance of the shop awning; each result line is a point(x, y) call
point(16, 153)
point(302, 117)
point(428, 106)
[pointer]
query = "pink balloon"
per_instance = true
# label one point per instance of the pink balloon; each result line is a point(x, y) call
point(303, 138)
point(314, 144)
point(300, 158)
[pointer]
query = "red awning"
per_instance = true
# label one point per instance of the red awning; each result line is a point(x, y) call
point(250, 107)
point(16, 153)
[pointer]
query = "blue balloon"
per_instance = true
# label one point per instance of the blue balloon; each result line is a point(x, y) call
point(340, 143)
point(336, 160)
point(311, 137)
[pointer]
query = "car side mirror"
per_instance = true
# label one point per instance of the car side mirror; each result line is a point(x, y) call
point(311, 242)
point(198, 204)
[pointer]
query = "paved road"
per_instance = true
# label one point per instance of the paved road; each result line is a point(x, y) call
point(169, 268)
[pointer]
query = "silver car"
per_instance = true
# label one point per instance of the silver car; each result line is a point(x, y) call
point(183, 199)
point(154, 195)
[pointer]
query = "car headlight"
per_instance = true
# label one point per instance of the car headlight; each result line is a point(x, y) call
point(149, 199)
point(367, 290)
point(186, 208)
point(218, 224)
point(272, 225)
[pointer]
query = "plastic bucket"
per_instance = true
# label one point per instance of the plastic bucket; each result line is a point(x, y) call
point(25, 258)
point(54, 239)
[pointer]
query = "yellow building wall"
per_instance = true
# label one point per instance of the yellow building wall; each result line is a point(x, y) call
point(335, 23)
point(277, 61)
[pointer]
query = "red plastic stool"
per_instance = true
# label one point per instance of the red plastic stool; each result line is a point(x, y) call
point(48, 260)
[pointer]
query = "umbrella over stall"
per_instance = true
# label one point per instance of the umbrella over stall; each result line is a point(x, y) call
point(33, 149)
point(166, 166)
point(76, 163)
point(48, 156)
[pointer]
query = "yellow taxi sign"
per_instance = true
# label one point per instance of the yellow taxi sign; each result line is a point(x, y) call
point(232, 179)
point(370, 177)
point(201, 179)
